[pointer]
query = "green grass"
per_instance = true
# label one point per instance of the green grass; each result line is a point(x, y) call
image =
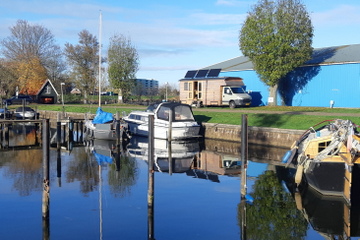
point(298, 121)
point(284, 121)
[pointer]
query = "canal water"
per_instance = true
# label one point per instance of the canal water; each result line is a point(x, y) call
point(98, 191)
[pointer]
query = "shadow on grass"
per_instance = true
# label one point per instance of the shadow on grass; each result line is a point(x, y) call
point(269, 120)
point(201, 118)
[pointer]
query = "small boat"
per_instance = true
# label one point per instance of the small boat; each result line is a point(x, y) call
point(172, 121)
point(103, 127)
point(327, 158)
point(25, 113)
point(5, 113)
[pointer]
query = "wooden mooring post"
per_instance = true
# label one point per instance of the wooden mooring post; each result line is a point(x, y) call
point(151, 179)
point(58, 132)
point(46, 168)
point(244, 154)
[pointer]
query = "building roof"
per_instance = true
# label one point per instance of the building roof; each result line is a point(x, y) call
point(44, 84)
point(321, 56)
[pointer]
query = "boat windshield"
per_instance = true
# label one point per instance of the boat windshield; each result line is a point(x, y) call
point(181, 113)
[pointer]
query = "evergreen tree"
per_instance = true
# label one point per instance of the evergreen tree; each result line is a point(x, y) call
point(123, 62)
point(277, 37)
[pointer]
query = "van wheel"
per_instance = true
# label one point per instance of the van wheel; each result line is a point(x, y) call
point(232, 104)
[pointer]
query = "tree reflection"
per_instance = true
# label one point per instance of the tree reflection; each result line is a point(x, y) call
point(273, 215)
point(25, 167)
point(120, 182)
point(83, 169)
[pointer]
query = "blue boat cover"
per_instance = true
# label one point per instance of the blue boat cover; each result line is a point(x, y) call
point(101, 158)
point(102, 117)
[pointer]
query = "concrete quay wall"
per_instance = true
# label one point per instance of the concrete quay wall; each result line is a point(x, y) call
point(274, 137)
point(265, 136)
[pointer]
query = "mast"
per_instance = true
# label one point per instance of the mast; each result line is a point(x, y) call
point(99, 80)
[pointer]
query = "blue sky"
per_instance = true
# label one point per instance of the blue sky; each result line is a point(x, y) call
point(173, 36)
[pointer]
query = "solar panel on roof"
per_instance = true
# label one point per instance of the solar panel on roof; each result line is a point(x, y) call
point(190, 74)
point(214, 72)
point(201, 73)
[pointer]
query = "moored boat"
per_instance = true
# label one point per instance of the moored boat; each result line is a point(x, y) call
point(25, 113)
point(327, 158)
point(104, 125)
point(172, 121)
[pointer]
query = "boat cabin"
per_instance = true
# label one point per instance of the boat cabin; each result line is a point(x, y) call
point(179, 112)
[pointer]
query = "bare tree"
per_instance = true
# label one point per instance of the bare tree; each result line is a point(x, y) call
point(28, 41)
point(83, 59)
point(8, 77)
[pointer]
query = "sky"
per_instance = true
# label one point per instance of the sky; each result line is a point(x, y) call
point(173, 37)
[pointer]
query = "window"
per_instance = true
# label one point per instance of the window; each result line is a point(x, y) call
point(48, 89)
point(186, 86)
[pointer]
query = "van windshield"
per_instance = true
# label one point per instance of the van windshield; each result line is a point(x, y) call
point(238, 90)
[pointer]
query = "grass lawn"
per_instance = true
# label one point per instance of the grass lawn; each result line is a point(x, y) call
point(233, 116)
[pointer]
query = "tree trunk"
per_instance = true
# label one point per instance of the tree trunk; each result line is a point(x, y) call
point(272, 101)
point(120, 97)
point(85, 97)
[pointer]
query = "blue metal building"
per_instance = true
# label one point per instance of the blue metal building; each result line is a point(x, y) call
point(330, 78)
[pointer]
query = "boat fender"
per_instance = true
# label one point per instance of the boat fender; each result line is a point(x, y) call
point(286, 157)
point(299, 173)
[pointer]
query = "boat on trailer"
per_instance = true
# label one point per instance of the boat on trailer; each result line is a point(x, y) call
point(327, 158)
point(172, 121)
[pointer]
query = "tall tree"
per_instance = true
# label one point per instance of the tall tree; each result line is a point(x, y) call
point(123, 62)
point(31, 75)
point(83, 59)
point(8, 77)
point(277, 37)
point(27, 42)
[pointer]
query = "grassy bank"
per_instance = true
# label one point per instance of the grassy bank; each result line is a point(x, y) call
point(275, 117)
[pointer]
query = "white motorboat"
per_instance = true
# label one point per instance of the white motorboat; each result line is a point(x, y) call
point(25, 113)
point(172, 121)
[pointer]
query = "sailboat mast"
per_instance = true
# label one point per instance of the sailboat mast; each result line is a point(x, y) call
point(99, 80)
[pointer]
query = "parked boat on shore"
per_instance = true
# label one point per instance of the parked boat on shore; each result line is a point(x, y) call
point(172, 121)
point(25, 113)
point(327, 158)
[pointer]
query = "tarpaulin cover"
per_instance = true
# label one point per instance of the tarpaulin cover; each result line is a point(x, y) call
point(101, 158)
point(102, 117)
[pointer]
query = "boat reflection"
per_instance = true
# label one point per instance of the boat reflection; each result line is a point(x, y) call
point(331, 216)
point(186, 157)
point(170, 157)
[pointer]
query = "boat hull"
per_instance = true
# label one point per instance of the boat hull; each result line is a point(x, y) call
point(326, 177)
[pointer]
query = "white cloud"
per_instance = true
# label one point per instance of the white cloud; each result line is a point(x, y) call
point(340, 16)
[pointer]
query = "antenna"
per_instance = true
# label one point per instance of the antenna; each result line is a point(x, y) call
point(100, 26)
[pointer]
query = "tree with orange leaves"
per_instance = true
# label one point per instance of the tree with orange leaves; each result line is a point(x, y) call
point(31, 75)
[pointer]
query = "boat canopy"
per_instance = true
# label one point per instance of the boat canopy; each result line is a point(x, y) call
point(180, 112)
point(102, 117)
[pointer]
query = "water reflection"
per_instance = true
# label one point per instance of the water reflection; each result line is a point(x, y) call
point(102, 185)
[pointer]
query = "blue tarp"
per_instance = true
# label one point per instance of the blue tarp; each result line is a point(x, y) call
point(102, 117)
point(101, 158)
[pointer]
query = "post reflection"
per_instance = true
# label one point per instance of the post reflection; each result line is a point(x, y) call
point(103, 180)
